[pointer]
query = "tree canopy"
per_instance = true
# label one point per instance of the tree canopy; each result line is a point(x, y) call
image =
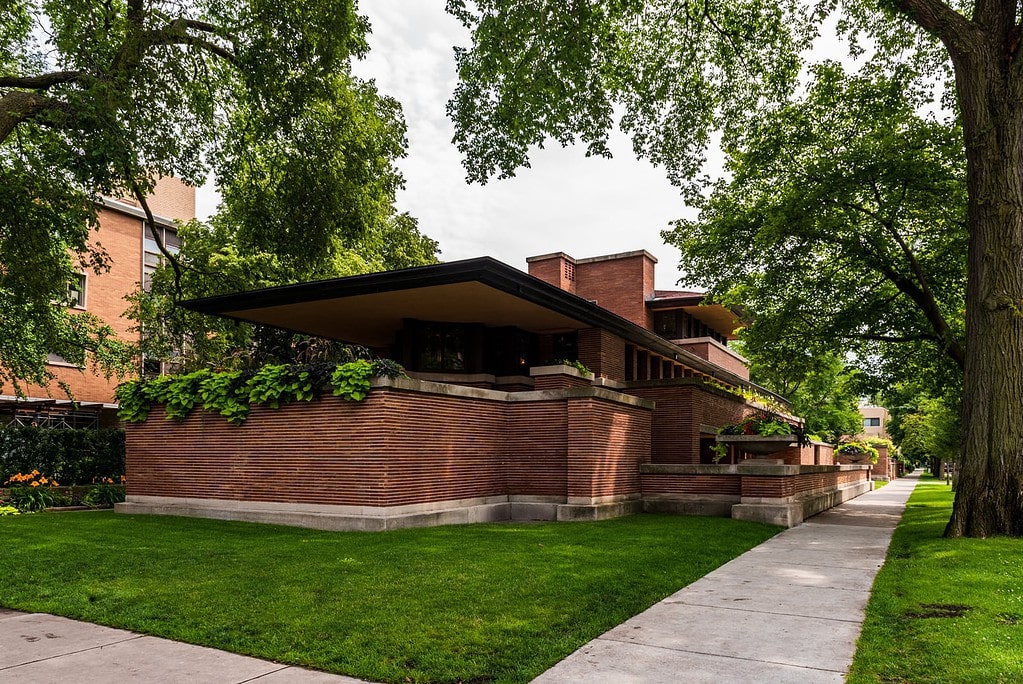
point(843, 229)
point(673, 72)
point(98, 99)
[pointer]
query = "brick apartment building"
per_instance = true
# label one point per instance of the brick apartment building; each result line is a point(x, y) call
point(133, 254)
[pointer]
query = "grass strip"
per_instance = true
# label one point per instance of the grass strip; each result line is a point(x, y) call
point(481, 603)
point(943, 610)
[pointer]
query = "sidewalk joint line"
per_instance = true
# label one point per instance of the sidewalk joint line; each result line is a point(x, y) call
point(83, 650)
point(767, 612)
point(724, 655)
point(265, 674)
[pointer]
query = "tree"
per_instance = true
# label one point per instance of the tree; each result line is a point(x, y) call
point(259, 93)
point(215, 258)
point(677, 70)
point(929, 432)
point(844, 225)
point(820, 388)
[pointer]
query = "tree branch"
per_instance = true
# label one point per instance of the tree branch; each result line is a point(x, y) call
point(43, 81)
point(920, 291)
point(20, 105)
point(939, 19)
point(157, 238)
point(888, 338)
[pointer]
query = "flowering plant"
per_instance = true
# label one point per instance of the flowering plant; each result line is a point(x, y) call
point(33, 491)
point(105, 493)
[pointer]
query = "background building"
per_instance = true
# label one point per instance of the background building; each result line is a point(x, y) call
point(133, 255)
point(875, 422)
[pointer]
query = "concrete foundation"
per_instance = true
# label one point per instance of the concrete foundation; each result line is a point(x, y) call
point(792, 511)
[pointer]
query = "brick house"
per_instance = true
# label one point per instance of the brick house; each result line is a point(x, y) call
point(489, 425)
point(133, 254)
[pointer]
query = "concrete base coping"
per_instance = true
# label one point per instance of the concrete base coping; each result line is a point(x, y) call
point(354, 518)
point(743, 469)
point(791, 511)
point(601, 511)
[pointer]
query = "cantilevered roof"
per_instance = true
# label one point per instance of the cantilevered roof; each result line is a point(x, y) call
point(721, 318)
point(370, 309)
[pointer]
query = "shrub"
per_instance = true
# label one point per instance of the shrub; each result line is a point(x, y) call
point(857, 449)
point(104, 494)
point(231, 393)
point(70, 456)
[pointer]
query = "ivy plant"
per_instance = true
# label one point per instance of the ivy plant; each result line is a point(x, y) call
point(232, 393)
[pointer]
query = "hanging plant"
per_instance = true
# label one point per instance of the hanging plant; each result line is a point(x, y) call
point(232, 393)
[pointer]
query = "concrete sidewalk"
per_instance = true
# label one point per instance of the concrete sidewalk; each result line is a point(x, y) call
point(789, 610)
point(37, 648)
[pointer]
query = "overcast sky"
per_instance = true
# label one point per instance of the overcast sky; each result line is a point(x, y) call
point(566, 202)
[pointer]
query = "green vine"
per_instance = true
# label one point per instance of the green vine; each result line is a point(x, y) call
point(232, 393)
point(577, 364)
point(750, 395)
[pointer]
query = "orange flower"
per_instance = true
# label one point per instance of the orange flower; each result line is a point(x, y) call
point(35, 484)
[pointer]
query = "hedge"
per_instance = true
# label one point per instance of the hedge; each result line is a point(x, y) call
point(68, 456)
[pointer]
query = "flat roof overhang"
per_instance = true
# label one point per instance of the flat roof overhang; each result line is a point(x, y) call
point(721, 318)
point(369, 309)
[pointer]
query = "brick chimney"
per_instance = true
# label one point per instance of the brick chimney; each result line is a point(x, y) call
point(558, 269)
point(621, 283)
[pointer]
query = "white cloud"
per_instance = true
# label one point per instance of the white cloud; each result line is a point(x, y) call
point(565, 202)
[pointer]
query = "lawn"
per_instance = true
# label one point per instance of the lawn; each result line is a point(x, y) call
point(943, 610)
point(499, 602)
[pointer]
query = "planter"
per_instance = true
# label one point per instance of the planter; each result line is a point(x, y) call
point(855, 458)
point(759, 444)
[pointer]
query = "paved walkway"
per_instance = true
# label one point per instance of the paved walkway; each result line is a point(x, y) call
point(789, 610)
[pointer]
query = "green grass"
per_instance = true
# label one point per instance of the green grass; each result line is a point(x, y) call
point(880, 483)
point(499, 602)
point(943, 610)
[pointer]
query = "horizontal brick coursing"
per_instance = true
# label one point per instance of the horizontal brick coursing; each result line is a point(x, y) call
point(559, 382)
point(394, 448)
point(690, 484)
point(767, 486)
point(606, 444)
point(679, 412)
point(602, 352)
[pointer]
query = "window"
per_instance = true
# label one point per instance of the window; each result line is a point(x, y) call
point(443, 348)
point(76, 291)
point(565, 346)
point(151, 255)
point(58, 360)
point(871, 422)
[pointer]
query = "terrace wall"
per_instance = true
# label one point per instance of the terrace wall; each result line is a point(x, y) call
point(408, 454)
point(684, 409)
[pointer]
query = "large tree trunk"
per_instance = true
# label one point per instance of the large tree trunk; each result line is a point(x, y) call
point(989, 493)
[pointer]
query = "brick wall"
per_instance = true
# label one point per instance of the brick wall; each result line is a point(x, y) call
point(710, 351)
point(606, 444)
point(621, 284)
point(557, 269)
point(121, 237)
point(395, 448)
point(885, 467)
point(602, 352)
point(681, 407)
point(173, 199)
point(748, 484)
